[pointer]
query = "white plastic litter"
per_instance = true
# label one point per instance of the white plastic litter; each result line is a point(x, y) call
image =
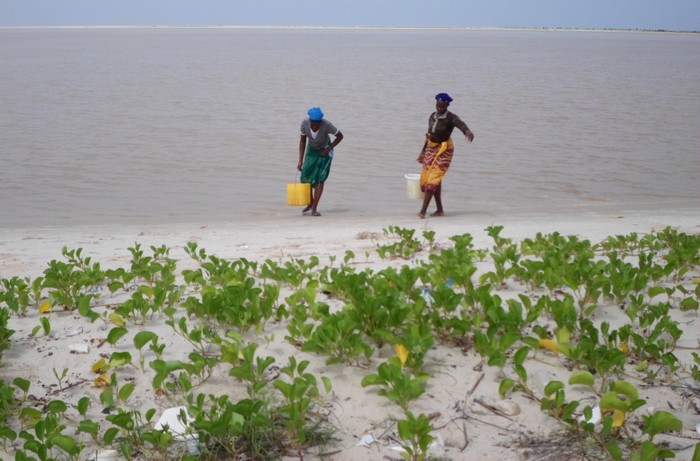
point(79, 348)
point(367, 440)
point(425, 293)
point(541, 379)
point(595, 416)
point(73, 331)
point(107, 455)
point(172, 420)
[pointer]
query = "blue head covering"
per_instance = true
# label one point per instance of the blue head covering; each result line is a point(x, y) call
point(443, 97)
point(315, 114)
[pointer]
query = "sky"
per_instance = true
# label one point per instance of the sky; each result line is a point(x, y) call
point(678, 15)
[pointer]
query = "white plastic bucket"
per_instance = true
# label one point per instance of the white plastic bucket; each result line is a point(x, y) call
point(413, 187)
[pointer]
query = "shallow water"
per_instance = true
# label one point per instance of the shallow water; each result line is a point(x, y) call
point(153, 125)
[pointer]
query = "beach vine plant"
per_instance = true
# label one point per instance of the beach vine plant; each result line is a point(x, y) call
point(454, 294)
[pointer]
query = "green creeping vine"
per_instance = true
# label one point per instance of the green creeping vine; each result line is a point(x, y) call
point(453, 294)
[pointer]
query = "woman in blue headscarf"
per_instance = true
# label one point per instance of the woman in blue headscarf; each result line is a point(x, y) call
point(437, 152)
point(316, 154)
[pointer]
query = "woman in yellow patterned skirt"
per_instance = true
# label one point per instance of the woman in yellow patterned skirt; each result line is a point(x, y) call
point(437, 152)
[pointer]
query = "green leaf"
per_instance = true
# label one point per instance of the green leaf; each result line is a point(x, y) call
point(117, 319)
point(119, 358)
point(45, 325)
point(114, 286)
point(326, 384)
point(628, 389)
point(22, 383)
point(56, 406)
point(30, 414)
point(7, 433)
point(115, 334)
point(566, 349)
point(505, 387)
point(655, 291)
point(83, 405)
point(563, 335)
point(150, 413)
point(552, 387)
point(582, 377)
point(89, 427)
point(534, 343)
point(520, 355)
point(66, 443)
point(662, 421)
point(110, 434)
point(611, 401)
point(689, 304)
point(614, 450)
point(84, 307)
point(125, 391)
point(372, 380)
point(145, 289)
point(144, 337)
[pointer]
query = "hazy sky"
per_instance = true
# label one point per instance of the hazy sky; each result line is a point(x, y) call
point(619, 14)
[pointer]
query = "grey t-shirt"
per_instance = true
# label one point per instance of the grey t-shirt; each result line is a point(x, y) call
point(321, 138)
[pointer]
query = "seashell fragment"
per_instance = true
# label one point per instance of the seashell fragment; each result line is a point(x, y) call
point(486, 401)
point(503, 407)
point(508, 407)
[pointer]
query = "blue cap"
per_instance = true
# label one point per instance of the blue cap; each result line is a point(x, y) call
point(444, 97)
point(315, 114)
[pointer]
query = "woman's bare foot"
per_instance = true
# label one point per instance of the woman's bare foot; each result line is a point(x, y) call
point(315, 213)
point(306, 210)
point(421, 215)
point(438, 214)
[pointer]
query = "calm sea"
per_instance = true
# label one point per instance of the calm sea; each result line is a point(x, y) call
point(161, 125)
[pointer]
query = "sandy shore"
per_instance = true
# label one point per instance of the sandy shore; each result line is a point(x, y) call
point(463, 428)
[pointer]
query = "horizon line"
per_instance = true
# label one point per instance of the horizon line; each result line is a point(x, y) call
point(317, 27)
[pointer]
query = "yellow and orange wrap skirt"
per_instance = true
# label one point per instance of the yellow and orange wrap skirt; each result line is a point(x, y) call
point(436, 160)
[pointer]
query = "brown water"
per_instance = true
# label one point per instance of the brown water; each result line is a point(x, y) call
point(153, 125)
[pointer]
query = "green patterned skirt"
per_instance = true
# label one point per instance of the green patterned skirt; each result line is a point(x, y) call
point(316, 168)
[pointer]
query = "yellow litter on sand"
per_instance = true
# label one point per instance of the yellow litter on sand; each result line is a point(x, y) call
point(549, 344)
point(401, 353)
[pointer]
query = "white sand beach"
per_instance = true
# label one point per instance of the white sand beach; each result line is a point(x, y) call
point(365, 421)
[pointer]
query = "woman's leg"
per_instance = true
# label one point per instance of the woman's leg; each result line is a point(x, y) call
point(426, 202)
point(308, 207)
point(316, 198)
point(438, 201)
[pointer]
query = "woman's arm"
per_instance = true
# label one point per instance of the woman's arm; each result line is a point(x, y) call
point(302, 149)
point(459, 124)
point(331, 146)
